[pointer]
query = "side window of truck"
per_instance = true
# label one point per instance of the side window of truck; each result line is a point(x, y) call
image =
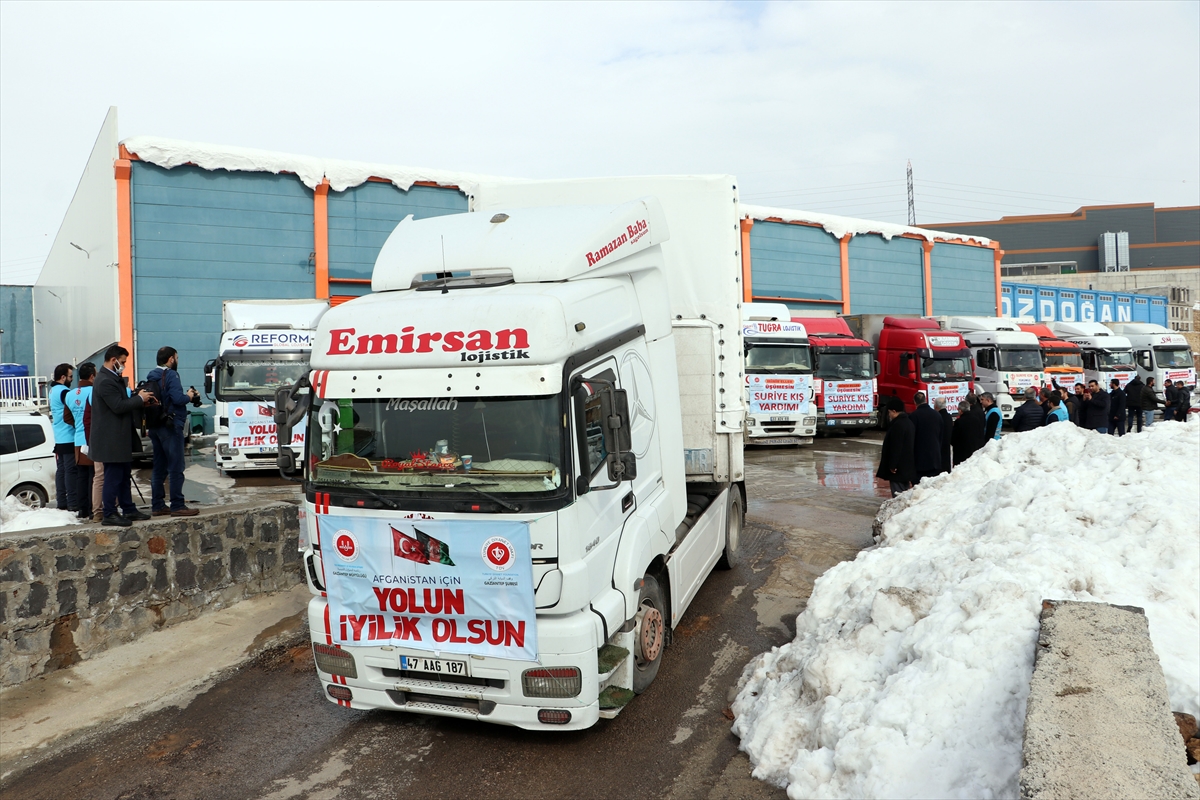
point(1144, 359)
point(1089, 360)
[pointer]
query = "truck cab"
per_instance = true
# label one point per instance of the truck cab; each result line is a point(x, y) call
point(1063, 360)
point(1105, 355)
point(844, 382)
point(1158, 352)
point(266, 344)
point(779, 380)
point(916, 355)
point(1008, 360)
point(525, 451)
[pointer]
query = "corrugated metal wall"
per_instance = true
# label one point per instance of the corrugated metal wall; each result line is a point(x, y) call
point(797, 261)
point(964, 280)
point(886, 277)
point(201, 237)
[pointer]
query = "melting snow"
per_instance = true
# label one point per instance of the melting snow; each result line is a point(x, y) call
point(16, 516)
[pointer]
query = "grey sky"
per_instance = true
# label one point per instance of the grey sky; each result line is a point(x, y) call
point(1004, 108)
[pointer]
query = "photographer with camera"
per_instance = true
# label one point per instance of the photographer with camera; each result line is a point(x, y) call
point(166, 429)
point(114, 411)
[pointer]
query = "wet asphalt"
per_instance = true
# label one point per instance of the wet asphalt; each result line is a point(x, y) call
point(268, 732)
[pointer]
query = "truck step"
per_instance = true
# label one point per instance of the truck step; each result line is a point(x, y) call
point(615, 697)
point(609, 657)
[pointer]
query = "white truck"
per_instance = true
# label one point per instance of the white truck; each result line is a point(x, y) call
point(525, 450)
point(266, 344)
point(1105, 355)
point(1158, 352)
point(1008, 360)
point(779, 377)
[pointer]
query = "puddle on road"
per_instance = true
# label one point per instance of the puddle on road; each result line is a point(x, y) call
point(845, 464)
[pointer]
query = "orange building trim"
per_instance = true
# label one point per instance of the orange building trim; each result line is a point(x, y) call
point(747, 288)
point(997, 256)
point(1163, 244)
point(844, 257)
point(927, 267)
point(366, 281)
point(770, 299)
point(122, 169)
point(321, 239)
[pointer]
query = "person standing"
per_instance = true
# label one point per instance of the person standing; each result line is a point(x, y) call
point(1170, 401)
point(97, 466)
point(77, 402)
point(64, 439)
point(896, 464)
point(1183, 402)
point(1067, 401)
point(1030, 415)
point(1080, 413)
point(927, 447)
point(1133, 404)
point(1057, 412)
point(939, 405)
point(1095, 408)
point(113, 412)
point(1116, 408)
point(167, 439)
point(1150, 402)
point(993, 419)
point(967, 436)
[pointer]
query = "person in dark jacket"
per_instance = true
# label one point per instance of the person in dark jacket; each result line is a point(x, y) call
point(1057, 412)
point(1116, 408)
point(1030, 415)
point(1170, 401)
point(1068, 402)
point(167, 439)
point(927, 448)
point(1095, 408)
point(939, 405)
point(1185, 402)
point(1150, 402)
point(113, 413)
point(1080, 412)
point(1133, 404)
point(994, 420)
point(896, 464)
point(967, 436)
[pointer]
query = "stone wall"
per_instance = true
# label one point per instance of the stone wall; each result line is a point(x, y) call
point(67, 593)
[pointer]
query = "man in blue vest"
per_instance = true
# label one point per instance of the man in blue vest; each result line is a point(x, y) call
point(77, 402)
point(64, 439)
point(994, 420)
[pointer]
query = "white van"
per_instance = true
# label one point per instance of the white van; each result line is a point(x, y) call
point(26, 457)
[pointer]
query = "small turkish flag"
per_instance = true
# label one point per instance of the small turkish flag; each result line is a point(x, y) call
point(406, 546)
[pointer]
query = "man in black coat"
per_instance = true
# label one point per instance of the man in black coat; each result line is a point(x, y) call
point(1094, 408)
point(1030, 414)
point(939, 405)
point(896, 458)
point(1133, 404)
point(113, 414)
point(967, 436)
point(927, 448)
point(1116, 409)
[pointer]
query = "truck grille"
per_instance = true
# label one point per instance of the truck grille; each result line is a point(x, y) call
point(413, 701)
point(779, 430)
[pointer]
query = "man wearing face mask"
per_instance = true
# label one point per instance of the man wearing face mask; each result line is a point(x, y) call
point(167, 439)
point(113, 415)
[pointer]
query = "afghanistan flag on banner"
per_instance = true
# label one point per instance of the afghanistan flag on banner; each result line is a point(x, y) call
point(424, 549)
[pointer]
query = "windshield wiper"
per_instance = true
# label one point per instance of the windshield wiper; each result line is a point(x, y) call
point(370, 492)
point(488, 495)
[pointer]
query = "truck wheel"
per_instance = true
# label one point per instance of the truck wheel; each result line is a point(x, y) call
point(649, 634)
point(734, 519)
point(30, 494)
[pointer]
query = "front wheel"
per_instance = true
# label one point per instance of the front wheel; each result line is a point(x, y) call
point(31, 495)
point(649, 634)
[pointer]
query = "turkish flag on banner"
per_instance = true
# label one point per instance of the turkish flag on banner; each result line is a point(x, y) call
point(406, 546)
point(265, 411)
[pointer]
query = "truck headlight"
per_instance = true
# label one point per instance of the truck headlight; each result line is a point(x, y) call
point(552, 682)
point(334, 660)
point(810, 420)
point(223, 449)
point(750, 422)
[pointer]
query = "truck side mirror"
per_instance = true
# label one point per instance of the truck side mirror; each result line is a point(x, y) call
point(291, 404)
point(209, 370)
point(614, 407)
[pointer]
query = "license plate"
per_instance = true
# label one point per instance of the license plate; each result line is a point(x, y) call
point(780, 419)
point(440, 666)
point(789, 440)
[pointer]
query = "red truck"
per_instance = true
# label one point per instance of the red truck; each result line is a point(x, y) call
point(916, 354)
point(847, 395)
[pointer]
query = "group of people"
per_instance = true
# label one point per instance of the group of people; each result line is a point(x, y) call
point(930, 441)
point(97, 429)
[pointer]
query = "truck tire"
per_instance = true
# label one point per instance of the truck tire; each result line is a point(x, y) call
point(649, 634)
point(735, 518)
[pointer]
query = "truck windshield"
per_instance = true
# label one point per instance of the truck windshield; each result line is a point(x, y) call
point(1114, 359)
point(778, 357)
point(1021, 358)
point(1064, 359)
point(844, 366)
point(439, 445)
point(1173, 358)
point(257, 379)
point(946, 366)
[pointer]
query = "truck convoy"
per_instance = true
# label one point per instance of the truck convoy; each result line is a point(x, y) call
point(1105, 355)
point(847, 393)
point(1008, 360)
point(265, 345)
point(1063, 360)
point(525, 450)
point(1158, 353)
point(916, 354)
point(779, 380)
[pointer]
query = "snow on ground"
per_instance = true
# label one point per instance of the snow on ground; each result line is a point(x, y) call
point(16, 516)
point(910, 669)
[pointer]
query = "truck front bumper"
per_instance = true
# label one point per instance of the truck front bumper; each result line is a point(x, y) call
point(765, 431)
point(835, 423)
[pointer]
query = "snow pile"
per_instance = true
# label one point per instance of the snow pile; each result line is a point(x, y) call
point(342, 175)
point(911, 664)
point(840, 226)
point(16, 516)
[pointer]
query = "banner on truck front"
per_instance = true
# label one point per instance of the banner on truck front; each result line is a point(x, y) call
point(1023, 380)
point(779, 395)
point(952, 393)
point(848, 397)
point(448, 586)
point(252, 427)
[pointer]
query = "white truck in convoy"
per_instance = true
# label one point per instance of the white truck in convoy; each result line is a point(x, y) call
point(1158, 352)
point(266, 344)
point(1105, 354)
point(525, 450)
point(1007, 359)
point(779, 377)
